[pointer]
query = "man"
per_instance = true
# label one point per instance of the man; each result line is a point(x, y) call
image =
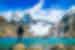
point(20, 32)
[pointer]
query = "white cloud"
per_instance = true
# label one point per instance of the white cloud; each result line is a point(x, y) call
point(37, 12)
point(52, 15)
point(37, 7)
point(7, 15)
point(71, 10)
point(19, 13)
point(55, 15)
point(33, 11)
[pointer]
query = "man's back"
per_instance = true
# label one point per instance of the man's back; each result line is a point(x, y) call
point(20, 30)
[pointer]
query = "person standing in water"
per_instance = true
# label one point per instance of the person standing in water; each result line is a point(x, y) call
point(20, 32)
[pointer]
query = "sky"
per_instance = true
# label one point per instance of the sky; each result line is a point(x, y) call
point(36, 8)
point(24, 4)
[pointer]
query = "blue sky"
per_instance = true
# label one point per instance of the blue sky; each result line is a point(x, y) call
point(23, 4)
point(9, 6)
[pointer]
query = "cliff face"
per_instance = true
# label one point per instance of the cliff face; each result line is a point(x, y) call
point(2, 20)
point(72, 25)
point(69, 25)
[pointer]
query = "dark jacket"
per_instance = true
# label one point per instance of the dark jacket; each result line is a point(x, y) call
point(20, 30)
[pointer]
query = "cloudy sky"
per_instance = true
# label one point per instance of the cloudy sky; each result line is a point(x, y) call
point(35, 7)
